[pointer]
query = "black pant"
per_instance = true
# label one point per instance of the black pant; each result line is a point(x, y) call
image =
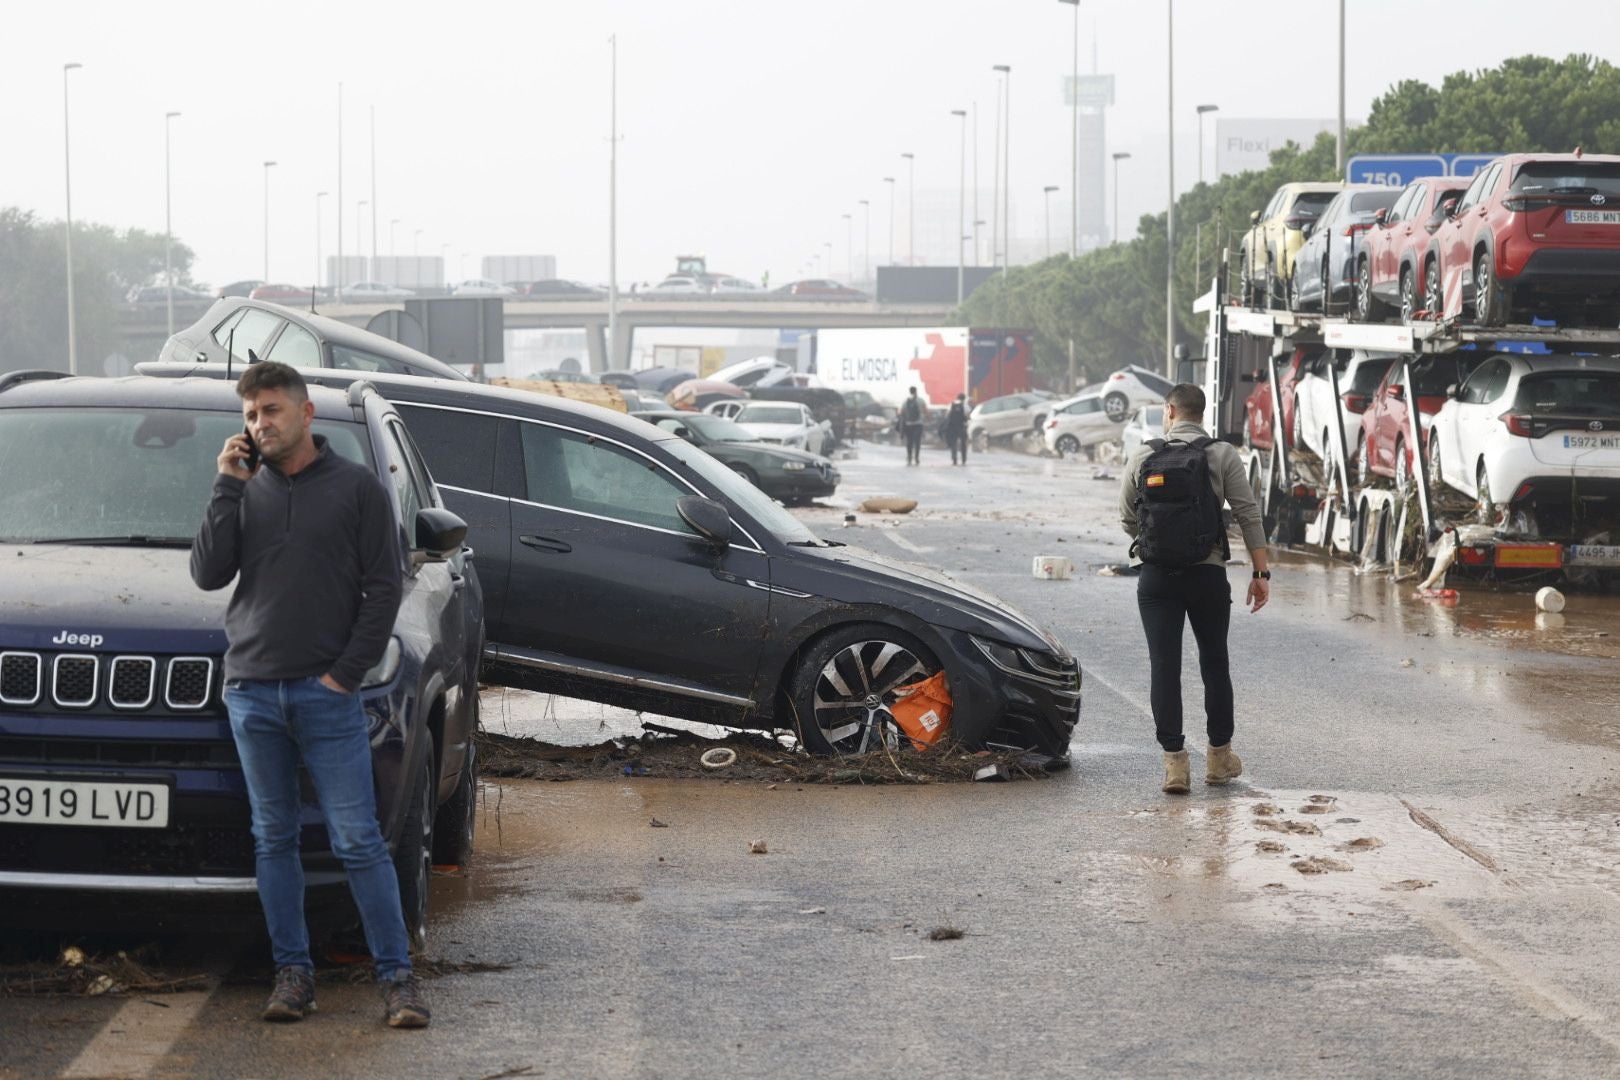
point(913, 443)
point(958, 441)
point(1168, 599)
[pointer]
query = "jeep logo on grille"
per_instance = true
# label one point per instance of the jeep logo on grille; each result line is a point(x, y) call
point(66, 637)
point(1595, 425)
point(1599, 199)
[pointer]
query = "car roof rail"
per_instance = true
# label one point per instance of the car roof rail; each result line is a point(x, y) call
point(358, 391)
point(17, 378)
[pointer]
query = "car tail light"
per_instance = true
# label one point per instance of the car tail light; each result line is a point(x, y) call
point(1518, 424)
point(1118, 376)
point(1473, 556)
point(1356, 403)
point(1516, 204)
point(1051, 423)
point(1524, 492)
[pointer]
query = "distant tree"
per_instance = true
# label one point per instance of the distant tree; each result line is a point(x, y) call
point(1110, 301)
point(107, 264)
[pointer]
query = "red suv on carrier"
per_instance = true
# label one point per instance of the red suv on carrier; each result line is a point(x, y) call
point(1389, 271)
point(1257, 422)
point(1384, 448)
point(1534, 232)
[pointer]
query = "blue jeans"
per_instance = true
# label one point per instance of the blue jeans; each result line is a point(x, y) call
point(276, 724)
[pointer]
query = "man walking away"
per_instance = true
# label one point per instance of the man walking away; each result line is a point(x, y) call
point(1170, 503)
point(956, 434)
point(911, 426)
point(311, 539)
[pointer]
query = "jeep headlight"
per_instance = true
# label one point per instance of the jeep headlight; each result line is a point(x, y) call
point(793, 466)
point(382, 673)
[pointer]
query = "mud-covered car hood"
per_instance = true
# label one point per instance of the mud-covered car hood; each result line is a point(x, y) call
point(134, 598)
point(929, 594)
point(777, 431)
point(767, 451)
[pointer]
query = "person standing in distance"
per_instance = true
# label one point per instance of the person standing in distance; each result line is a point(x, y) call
point(956, 433)
point(911, 426)
point(312, 542)
point(1170, 501)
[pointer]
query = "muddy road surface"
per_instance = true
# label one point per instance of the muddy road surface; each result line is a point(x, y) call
point(1418, 873)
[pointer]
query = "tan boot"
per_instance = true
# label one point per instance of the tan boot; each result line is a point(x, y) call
point(1222, 765)
point(1176, 779)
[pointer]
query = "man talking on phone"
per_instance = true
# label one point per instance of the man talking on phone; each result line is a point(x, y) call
point(311, 540)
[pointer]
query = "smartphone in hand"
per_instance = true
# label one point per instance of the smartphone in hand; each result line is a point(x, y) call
point(251, 462)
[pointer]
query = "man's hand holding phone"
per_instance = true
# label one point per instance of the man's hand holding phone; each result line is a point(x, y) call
point(239, 458)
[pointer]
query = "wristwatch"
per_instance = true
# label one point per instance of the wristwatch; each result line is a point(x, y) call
point(1262, 575)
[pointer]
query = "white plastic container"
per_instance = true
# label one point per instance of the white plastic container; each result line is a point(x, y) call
point(1550, 600)
point(1053, 567)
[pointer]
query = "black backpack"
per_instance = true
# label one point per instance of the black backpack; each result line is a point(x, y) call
point(1177, 513)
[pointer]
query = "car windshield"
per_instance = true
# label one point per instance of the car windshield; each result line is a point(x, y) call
point(768, 414)
point(1433, 378)
point(1084, 405)
point(82, 474)
point(1367, 202)
point(1569, 178)
point(1158, 384)
point(1369, 373)
point(715, 428)
point(1312, 203)
point(1570, 393)
point(782, 525)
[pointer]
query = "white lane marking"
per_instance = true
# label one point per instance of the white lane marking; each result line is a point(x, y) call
point(916, 549)
point(137, 1037)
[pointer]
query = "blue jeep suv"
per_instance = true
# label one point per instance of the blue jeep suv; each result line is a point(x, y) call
point(117, 768)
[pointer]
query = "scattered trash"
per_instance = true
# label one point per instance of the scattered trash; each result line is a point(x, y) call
point(721, 757)
point(849, 519)
point(1320, 864)
point(899, 958)
point(655, 823)
point(887, 504)
point(1550, 600)
point(1053, 567)
point(635, 768)
point(1362, 843)
point(1266, 810)
point(1321, 800)
point(1437, 594)
point(945, 933)
point(73, 956)
point(758, 847)
point(1118, 570)
point(923, 710)
point(1298, 828)
point(1316, 808)
point(76, 973)
point(1409, 885)
point(992, 773)
point(1271, 847)
point(813, 911)
point(1274, 887)
point(1408, 662)
point(1103, 473)
point(1445, 553)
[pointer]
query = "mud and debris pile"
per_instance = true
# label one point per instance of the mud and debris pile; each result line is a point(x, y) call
point(678, 755)
point(76, 973)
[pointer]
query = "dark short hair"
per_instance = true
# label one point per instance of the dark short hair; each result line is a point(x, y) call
point(1188, 400)
point(270, 375)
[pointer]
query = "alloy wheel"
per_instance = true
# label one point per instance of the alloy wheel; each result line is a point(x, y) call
point(1403, 469)
point(855, 690)
point(1363, 467)
point(1364, 301)
point(1068, 444)
point(1431, 289)
point(1408, 296)
point(1434, 465)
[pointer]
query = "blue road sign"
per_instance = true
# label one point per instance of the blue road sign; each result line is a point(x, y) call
point(1397, 170)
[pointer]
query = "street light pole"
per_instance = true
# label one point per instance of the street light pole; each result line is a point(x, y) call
point(168, 226)
point(371, 271)
point(67, 176)
point(1338, 157)
point(1119, 157)
point(1074, 138)
point(337, 283)
point(975, 218)
point(961, 208)
point(995, 186)
point(866, 242)
point(1047, 191)
point(1006, 169)
point(267, 167)
point(359, 230)
point(1202, 111)
point(613, 200)
point(1170, 207)
point(890, 181)
point(849, 249)
point(911, 208)
point(319, 195)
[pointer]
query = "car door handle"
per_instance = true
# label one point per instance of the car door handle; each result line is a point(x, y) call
point(546, 543)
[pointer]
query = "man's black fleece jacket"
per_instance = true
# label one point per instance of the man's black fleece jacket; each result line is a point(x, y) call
point(320, 569)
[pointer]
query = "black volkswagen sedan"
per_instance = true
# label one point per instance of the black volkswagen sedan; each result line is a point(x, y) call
point(791, 476)
point(622, 564)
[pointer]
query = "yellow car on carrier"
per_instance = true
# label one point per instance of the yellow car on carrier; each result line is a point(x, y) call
point(1275, 237)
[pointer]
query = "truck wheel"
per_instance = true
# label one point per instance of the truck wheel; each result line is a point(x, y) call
point(456, 823)
point(413, 855)
point(843, 686)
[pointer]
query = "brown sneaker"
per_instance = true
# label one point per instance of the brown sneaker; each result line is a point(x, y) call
point(404, 1005)
point(1221, 765)
point(1176, 778)
point(292, 998)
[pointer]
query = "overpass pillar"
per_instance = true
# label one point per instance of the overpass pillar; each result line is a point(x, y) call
point(596, 346)
point(621, 348)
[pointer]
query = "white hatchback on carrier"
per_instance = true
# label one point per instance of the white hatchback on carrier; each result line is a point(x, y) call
point(1535, 438)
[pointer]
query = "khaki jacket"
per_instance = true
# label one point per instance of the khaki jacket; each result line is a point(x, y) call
point(1226, 476)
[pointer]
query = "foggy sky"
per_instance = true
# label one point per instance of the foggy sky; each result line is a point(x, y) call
point(748, 128)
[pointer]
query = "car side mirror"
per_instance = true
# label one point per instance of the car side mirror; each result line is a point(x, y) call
point(1397, 392)
point(1454, 392)
point(1381, 217)
point(1254, 217)
point(439, 534)
point(684, 432)
point(708, 519)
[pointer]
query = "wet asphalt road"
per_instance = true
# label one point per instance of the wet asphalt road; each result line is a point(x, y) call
point(1463, 760)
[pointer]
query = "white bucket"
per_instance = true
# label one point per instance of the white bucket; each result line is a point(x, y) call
point(1550, 600)
point(1053, 567)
